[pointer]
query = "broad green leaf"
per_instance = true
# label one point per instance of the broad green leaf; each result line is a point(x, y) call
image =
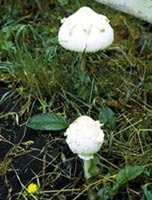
point(107, 117)
point(94, 168)
point(63, 2)
point(126, 174)
point(148, 193)
point(47, 121)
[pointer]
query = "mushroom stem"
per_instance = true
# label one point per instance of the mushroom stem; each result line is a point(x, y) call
point(86, 166)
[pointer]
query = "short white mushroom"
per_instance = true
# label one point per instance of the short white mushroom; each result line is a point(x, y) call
point(85, 30)
point(85, 138)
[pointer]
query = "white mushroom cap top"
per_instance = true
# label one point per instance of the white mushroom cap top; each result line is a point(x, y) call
point(84, 137)
point(85, 30)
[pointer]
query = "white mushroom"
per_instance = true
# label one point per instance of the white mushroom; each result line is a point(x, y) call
point(85, 31)
point(85, 138)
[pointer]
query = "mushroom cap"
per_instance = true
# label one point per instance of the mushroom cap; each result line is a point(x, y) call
point(85, 30)
point(84, 137)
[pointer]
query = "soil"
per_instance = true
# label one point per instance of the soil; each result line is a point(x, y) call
point(31, 156)
point(26, 154)
point(15, 158)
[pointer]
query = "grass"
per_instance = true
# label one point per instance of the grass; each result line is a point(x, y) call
point(37, 76)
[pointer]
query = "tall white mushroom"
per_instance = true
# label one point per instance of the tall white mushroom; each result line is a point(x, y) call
point(85, 31)
point(85, 138)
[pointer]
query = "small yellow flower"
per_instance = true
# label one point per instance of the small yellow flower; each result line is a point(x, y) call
point(32, 188)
